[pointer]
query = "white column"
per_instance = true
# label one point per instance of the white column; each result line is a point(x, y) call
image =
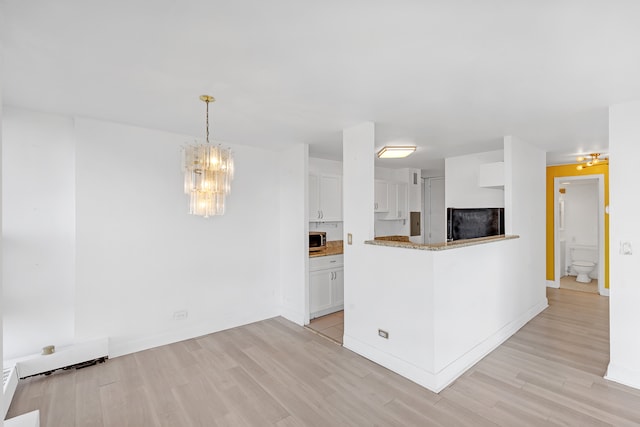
point(624, 243)
point(294, 231)
point(358, 176)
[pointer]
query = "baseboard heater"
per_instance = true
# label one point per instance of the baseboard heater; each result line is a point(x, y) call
point(9, 384)
point(75, 356)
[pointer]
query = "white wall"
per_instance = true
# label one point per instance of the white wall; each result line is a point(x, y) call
point(331, 167)
point(1, 220)
point(624, 296)
point(525, 207)
point(461, 182)
point(357, 155)
point(38, 231)
point(294, 244)
point(139, 255)
point(581, 213)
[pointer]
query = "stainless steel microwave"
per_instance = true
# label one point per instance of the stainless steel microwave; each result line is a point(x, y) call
point(317, 240)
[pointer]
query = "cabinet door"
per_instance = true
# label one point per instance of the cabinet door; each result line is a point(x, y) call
point(330, 198)
point(320, 291)
point(314, 197)
point(381, 202)
point(338, 288)
point(392, 201)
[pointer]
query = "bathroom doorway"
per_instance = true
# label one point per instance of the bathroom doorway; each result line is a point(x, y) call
point(579, 233)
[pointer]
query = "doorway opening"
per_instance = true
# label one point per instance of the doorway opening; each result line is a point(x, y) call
point(579, 243)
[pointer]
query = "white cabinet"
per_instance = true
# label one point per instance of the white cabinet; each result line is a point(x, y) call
point(381, 196)
point(491, 175)
point(397, 201)
point(325, 198)
point(326, 285)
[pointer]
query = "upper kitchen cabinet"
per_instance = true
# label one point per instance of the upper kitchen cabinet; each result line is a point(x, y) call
point(325, 198)
point(397, 201)
point(491, 175)
point(381, 196)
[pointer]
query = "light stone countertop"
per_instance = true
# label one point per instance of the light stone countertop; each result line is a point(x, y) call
point(441, 246)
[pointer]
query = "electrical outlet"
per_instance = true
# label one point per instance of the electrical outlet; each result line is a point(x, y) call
point(180, 315)
point(383, 334)
point(625, 248)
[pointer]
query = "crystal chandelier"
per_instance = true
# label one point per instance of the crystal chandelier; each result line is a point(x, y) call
point(208, 171)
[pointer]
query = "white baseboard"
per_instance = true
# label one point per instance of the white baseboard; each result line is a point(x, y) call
point(292, 315)
point(552, 284)
point(623, 376)
point(459, 366)
point(399, 366)
point(437, 381)
point(121, 347)
point(604, 292)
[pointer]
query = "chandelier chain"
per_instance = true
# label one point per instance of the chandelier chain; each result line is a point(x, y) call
point(207, 102)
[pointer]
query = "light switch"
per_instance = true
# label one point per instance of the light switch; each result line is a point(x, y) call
point(625, 248)
point(349, 239)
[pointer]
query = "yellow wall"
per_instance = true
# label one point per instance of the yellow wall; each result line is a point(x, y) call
point(570, 170)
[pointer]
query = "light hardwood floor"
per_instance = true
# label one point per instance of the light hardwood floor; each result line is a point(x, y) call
point(276, 373)
point(570, 282)
point(331, 326)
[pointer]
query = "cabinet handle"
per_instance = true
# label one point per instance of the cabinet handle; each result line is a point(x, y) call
point(321, 214)
point(375, 206)
point(318, 214)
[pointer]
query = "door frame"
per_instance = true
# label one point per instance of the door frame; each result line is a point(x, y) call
point(556, 228)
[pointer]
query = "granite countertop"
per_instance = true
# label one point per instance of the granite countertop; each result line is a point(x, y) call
point(438, 246)
point(393, 238)
point(334, 247)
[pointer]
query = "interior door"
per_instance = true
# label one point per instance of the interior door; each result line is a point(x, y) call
point(435, 211)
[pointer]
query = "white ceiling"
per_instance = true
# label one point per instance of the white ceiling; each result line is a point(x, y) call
point(452, 77)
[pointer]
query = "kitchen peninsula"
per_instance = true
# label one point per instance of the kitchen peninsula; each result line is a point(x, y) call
point(440, 307)
point(403, 242)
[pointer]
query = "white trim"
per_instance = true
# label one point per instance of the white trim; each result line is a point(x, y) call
point(623, 376)
point(553, 284)
point(122, 346)
point(556, 241)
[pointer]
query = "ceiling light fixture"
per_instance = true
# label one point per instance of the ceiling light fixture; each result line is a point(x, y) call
point(395, 152)
point(592, 159)
point(208, 171)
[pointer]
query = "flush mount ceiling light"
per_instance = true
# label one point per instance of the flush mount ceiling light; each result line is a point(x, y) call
point(208, 171)
point(395, 152)
point(591, 160)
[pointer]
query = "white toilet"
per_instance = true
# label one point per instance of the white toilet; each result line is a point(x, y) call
point(583, 268)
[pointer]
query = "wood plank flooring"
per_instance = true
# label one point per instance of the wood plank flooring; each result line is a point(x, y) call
point(331, 326)
point(570, 282)
point(275, 373)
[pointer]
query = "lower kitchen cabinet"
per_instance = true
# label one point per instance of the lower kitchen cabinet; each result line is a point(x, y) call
point(326, 285)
